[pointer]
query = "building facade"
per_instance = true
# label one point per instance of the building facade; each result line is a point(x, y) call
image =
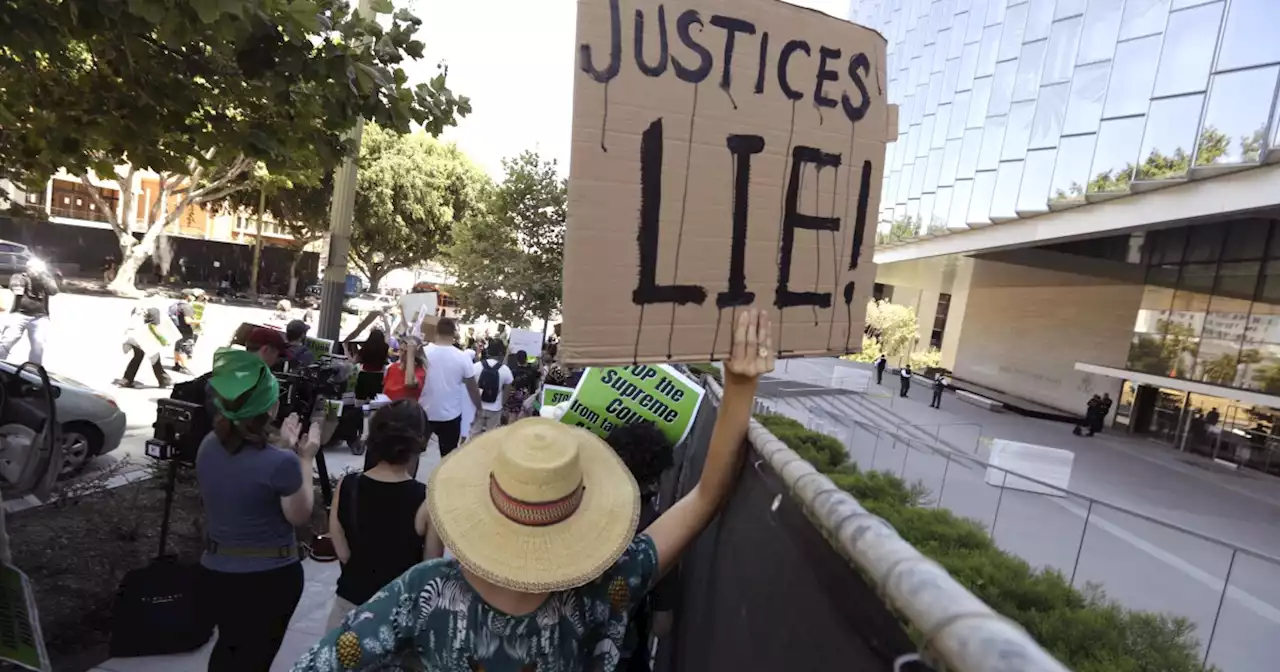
point(1085, 191)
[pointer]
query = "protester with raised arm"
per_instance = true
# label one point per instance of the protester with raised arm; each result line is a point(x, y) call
point(541, 519)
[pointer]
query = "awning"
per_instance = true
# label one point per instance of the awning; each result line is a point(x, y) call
point(1233, 393)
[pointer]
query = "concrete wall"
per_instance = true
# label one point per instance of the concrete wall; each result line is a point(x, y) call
point(918, 283)
point(1024, 328)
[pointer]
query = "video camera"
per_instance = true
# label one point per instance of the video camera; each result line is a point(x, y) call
point(180, 426)
point(301, 389)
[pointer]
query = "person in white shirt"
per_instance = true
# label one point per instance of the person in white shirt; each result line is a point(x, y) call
point(494, 377)
point(449, 371)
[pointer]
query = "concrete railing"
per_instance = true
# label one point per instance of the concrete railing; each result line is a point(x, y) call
point(959, 631)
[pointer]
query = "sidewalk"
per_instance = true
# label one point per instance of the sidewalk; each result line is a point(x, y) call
point(308, 623)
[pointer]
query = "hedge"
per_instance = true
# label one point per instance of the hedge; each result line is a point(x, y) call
point(1082, 628)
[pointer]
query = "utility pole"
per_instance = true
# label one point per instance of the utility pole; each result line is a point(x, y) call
point(257, 244)
point(341, 211)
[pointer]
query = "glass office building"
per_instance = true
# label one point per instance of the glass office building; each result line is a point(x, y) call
point(1011, 109)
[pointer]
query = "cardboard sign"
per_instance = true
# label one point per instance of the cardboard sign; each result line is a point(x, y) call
point(555, 394)
point(726, 153)
point(608, 397)
point(529, 341)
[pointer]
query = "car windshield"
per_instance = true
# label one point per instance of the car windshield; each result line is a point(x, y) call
point(55, 377)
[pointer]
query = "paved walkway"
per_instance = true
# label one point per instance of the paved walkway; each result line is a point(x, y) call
point(1139, 563)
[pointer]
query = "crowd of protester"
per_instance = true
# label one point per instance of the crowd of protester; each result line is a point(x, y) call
point(534, 544)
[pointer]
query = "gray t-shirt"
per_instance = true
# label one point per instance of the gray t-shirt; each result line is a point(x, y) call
point(242, 502)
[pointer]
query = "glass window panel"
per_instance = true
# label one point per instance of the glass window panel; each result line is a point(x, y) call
point(970, 148)
point(1246, 239)
point(1027, 82)
point(1004, 203)
point(950, 74)
point(890, 191)
point(925, 61)
point(979, 102)
point(1146, 354)
point(1069, 8)
point(926, 213)
point(1153, 312)
point(996, 11)
point(1018, 131)
point(1250, 37)
point(904, 183)
point(1181, 4)
point(1033, 195)
point(1169, 138)
point(1039, 17)
point(1015, 22)
point(1071, 170)
point(959, 115)
point(1236, 118)
point(1218, 361)
point(988, 51)
point(1185, 69)
point(913, 215)
point(935, 92)
point(913, 143)
point(1114, 155)
point(1060, 55)
point(1264, 315)
point(976, 19)
point(992, 139)
point(920, 108)
point(925, 136)
point(950, 163)
point(917, 178)
point(941, 208)
point(1101, 27)
point(1051, 109)
point(1088, 93)
point(1205, 244)
point(1002, 88)
point(1143, 17)
point(940, 125)
point(932, 171)
point(956, 46)
point(1229, 307)
point(984, 186)
point(940, 50)
point(1132, 77)
point(968, 67)
point(1168, 247)
point(958, 216)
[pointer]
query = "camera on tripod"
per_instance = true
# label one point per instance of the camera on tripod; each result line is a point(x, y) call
point(301, 389)
point(180, 426)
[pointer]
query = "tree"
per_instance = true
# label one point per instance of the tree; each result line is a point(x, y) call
point(411, 192)
point(299, 206)
point(198, 92)
point(894, 326)
point(1221, 370)
point(903, 228)
point(509, 263)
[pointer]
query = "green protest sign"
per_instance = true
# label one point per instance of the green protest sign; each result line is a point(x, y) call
point(555, 394)
point(608, 397)
point(319, 347)
point(20, 640)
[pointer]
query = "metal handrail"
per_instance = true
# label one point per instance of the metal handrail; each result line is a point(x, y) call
point(964, 632)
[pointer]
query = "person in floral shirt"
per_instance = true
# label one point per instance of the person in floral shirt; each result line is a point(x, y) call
point(541, 520)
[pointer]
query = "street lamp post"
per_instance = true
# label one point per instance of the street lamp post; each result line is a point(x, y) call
point(341, 211)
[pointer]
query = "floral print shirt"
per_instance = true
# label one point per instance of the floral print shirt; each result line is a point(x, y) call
point(432, 615)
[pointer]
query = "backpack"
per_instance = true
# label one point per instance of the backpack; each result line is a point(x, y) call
point(490, 382)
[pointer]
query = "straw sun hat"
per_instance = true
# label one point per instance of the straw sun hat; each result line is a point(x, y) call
point(536, 506)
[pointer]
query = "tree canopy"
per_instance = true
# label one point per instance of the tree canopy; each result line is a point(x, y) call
point(412, 191)
point(200, 92)
point(508, 264)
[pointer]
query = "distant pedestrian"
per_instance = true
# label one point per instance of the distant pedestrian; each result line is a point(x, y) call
point(29, 313)
point(1211, 418)
point(905, 374)
point(1090, 409)
point(938, 386)
point(448, 370)
point(881, 362)
point(1100, 415)
point(144, 341)
point(494, 378)
point(183, 316)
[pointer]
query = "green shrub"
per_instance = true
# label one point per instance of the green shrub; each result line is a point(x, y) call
point(1082, 628)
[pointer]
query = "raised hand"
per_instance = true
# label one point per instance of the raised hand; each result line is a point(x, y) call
point(289, 431)
point(752, 353)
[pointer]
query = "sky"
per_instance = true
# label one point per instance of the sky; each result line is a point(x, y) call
point(514, 59)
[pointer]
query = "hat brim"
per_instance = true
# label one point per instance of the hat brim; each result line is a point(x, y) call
point(526, 558)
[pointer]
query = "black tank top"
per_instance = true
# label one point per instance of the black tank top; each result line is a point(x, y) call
point(381, 534)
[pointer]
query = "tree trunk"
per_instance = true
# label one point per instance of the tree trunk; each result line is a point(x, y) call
point(293, 272)
point(375, 276)
point(257, 245)
point(132, 255)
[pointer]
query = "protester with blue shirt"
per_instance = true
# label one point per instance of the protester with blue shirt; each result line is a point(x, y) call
point(255, 491)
